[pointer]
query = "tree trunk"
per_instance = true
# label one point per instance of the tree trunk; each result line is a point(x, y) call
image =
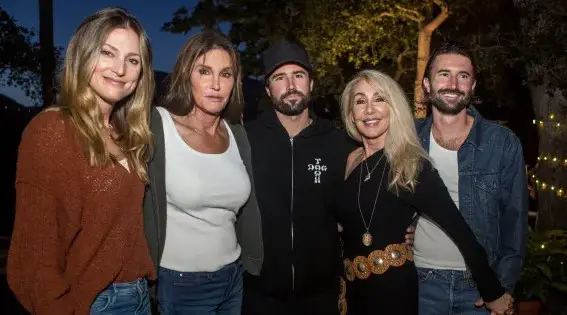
point(423, 48)
point(47, 58)
point(551, 171)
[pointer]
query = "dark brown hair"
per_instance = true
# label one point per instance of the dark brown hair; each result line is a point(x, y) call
point(179, 97)
point(450, 47)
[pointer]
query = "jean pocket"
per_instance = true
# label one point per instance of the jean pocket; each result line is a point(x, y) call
point(102, 302)
point(486, 190)
point(423, 275)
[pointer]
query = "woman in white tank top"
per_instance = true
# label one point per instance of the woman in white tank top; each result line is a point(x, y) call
point(206, 181)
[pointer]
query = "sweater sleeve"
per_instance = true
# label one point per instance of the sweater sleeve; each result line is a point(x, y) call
point(432, 199)
point(36, 259)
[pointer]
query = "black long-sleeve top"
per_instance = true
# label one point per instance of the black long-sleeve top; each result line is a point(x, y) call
point(394, 212)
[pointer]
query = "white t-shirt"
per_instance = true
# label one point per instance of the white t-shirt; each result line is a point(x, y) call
point(432, 247)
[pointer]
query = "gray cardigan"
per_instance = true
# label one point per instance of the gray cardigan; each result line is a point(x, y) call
point(248, 224)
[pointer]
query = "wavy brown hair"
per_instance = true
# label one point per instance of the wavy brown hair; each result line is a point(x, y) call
point(179, 97)
point(130, 116)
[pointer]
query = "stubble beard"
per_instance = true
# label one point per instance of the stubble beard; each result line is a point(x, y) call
point(443, 107)
point(292, 107)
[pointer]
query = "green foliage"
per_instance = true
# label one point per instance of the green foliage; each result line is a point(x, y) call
point(19, 57)
point(543, 40)
point(362, 32)
point(254, 24)
point(346, 36)
point(341, 36)
point(531, 38)
point(545, 266)
point(19, 63)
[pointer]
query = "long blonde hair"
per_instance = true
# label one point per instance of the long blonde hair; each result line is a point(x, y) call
point(130, 116)
point(402, 147)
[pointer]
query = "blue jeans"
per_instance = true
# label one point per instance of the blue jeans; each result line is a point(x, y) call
point(447, 292)
point(129, 298)
point(201, 293)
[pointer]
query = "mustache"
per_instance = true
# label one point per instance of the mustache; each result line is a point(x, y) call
point(454, 91)
point(291, 92)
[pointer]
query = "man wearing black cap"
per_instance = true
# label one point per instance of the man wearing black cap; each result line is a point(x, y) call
point(298, 160)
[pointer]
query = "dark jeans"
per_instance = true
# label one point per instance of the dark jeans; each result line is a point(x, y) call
point(449, 292)
point(123, 299)
point(201, 293)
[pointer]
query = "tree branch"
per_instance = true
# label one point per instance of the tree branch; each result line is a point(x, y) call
point(440, 18)
point(400, 62)
point(553, 10)
point(411, 14)
point(383, 14)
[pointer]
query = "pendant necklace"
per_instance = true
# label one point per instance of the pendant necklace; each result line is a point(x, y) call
point(367, 236)
point(368, 171)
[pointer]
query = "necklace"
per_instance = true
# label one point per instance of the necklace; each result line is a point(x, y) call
point(367, 236)
point(369, 172)
point(197, 131)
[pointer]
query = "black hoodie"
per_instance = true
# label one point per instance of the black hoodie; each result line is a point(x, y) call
point(294, 180)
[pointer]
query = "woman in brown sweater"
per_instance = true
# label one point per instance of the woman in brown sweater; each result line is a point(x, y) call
point(78, 244)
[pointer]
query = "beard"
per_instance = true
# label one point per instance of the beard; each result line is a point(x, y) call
point(443, 107)
point(292, 107)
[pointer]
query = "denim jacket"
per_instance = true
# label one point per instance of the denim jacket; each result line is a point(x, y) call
point(493, 196)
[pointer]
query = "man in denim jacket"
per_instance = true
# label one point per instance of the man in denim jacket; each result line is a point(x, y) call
point(482, 165)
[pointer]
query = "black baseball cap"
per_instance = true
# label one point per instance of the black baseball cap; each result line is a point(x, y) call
point(285, 53)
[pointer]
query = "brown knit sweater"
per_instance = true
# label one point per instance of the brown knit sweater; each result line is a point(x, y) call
point(78, 228)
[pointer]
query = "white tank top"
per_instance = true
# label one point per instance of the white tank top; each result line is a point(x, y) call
point(204, 193)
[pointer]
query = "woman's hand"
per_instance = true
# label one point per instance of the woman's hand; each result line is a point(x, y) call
point(504, 305)
point(410, 235)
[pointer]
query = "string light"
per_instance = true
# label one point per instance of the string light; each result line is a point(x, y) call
point(560, 160)
point(552, 121)
point(556, 189)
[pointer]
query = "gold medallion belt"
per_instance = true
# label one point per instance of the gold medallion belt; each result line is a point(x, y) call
point(377, 262)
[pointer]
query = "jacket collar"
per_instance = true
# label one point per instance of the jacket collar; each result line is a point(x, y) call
point(474, 137)
point(318, 125)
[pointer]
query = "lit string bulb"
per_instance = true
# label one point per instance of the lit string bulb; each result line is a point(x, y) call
point(543, 186)
point(552, 121)
point(559, 160)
